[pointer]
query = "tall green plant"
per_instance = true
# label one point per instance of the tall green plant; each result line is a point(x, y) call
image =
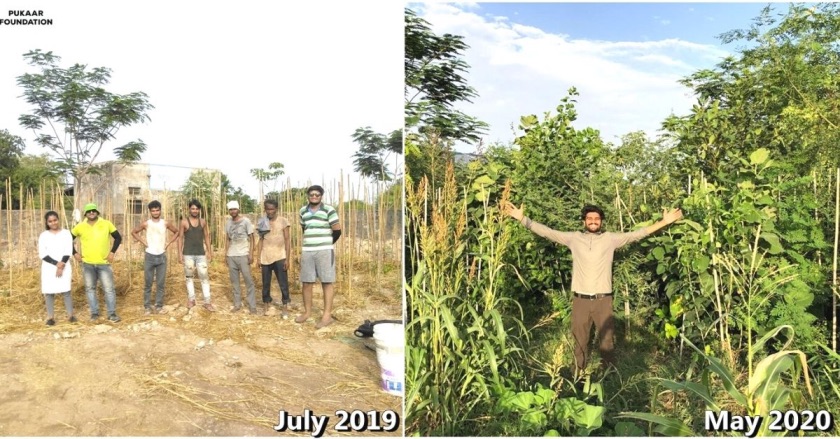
point(767, 388)
point(461, 348)
point(709, 263)
point(555, 173)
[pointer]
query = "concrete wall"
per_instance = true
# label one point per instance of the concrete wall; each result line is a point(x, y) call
point(118, 188)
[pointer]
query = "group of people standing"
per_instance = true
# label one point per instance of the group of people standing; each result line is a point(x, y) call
point(99, 240)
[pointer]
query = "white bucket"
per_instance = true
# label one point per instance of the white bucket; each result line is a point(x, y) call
point(390, 352)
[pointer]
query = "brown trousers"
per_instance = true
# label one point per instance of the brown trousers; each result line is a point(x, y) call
point(584, 313)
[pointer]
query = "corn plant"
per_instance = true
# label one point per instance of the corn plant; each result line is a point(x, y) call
point(756, 283)
point(460, 347)
point(764, 391)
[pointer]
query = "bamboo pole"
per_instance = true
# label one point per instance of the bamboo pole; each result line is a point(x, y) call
point(9, 231)
point(20, 222)
point(834, 269)
point(33, 223)
point(380, 240)
point(816, 210)
point(127, 249)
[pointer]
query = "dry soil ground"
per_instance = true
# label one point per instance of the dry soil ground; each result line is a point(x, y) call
point(186, 373)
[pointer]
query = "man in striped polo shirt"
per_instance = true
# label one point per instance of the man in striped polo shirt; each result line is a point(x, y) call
point(317, 261)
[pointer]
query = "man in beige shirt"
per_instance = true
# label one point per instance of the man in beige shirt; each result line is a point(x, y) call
point(274, 250)
point(592, 259)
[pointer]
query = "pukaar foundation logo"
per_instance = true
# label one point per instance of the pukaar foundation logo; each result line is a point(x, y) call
point(25, 18)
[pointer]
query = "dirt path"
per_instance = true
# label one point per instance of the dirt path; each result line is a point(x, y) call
point(187, 373)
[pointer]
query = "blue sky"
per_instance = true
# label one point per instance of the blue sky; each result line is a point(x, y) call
point(624, 58)
point(696, 22)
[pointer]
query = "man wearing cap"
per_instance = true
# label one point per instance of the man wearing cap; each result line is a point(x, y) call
point(239, 249)
point(592, 259)
point(96, 252)
point(321, 230)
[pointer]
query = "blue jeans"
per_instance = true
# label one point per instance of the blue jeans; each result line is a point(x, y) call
point(104, 273)
point(154, 268)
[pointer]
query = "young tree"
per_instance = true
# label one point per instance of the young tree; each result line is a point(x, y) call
point(375, 148)
point(74, 116)
point(274, 171)
point(434, 82)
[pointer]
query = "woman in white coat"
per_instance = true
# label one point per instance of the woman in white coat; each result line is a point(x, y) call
point(55, 247)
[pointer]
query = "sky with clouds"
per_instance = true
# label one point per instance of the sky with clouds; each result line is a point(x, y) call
point(235, 85)
point(624, 58)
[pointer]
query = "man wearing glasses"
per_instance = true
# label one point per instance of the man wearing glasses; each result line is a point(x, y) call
point(317, 262)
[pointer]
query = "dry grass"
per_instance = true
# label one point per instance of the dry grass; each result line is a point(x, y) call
point(253, 401)
point(368, 286)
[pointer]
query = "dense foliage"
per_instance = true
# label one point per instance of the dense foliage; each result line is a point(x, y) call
point(729, 308)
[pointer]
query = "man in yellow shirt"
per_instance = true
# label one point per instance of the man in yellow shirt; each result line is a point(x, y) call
point(96, 252)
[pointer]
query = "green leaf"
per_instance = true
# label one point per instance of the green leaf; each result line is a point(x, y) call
point(481, 195)
point(535, 418)
point(693, 225)
point(773, 240)
point(528, 122)
point(764, 200)
point(671, 331)
point(483, 180)
point(522, 401)
point(665, 426)
point(701, 263)
point(628, 429)
point(552, 433)
point(717, 367)
point(759, 156)
point(658, 253)
point(543, 396)
point(591, 417)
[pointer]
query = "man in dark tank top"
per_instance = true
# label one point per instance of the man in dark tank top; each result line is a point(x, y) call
point(196, 253)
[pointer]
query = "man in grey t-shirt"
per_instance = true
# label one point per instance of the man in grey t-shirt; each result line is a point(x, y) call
point(239, 250)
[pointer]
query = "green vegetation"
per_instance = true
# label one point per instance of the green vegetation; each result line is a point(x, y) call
point(728, 309)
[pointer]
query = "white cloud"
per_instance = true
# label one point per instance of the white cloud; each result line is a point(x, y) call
point(519, 70)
